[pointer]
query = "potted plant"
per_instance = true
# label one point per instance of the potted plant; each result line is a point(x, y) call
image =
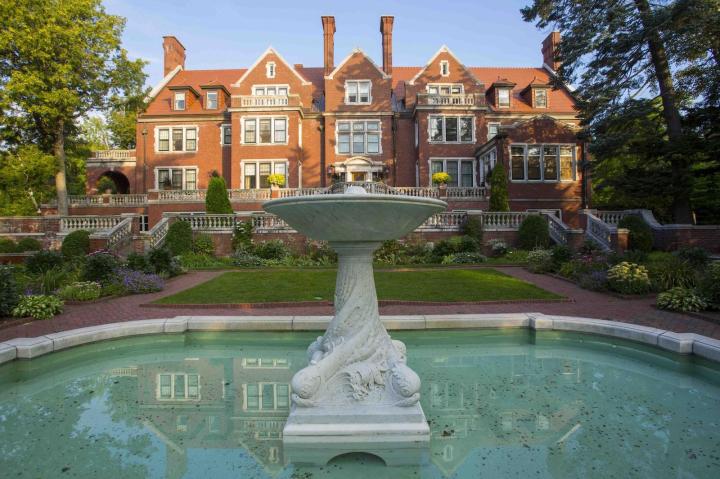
point(276, 181)
point(441, 179)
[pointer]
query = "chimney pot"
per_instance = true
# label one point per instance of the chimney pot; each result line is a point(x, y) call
point(173, 54)
point(386, 26)
point(328, 23)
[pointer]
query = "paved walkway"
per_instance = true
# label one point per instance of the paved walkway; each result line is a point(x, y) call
point(585, 304)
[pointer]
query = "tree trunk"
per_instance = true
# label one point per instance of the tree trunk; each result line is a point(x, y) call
point(680, 166)
point(60, 179)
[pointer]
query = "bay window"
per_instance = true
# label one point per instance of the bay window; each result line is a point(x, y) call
point(265, 130)
point(462, 172)
point(255, 172)
point(358, 137)
point(182, 178)
point(357, 92)
point(181, 138)
point(541, 162)
point(451, 129)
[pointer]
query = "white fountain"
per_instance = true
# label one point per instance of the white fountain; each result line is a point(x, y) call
point(356, 394)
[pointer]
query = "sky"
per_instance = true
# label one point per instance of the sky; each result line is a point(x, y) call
point(233, 33)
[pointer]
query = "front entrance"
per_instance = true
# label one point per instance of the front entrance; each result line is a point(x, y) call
point(358, 175)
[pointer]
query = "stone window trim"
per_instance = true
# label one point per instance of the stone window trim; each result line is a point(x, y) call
point(444, 141)
point(262, 90)
point(191, 392)
point(352, 130)
point(167, 145)
point(444, 68)
point(274, 162)
point(256, 119)
point(184, 176)
point(212, 100)
point(356, 84)
point(559, 159)
point(460, 160)
point(226, 134)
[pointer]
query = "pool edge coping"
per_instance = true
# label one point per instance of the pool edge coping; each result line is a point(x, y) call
point(681, 343)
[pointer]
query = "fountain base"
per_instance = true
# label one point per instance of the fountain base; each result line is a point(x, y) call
point(400, 436)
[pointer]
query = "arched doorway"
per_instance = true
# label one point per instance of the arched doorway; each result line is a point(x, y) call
point(122, 184)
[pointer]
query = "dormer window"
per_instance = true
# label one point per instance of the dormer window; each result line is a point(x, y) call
point(503, 97)
point(540, 98)
point(357, 92)
point(445, 68)
point(211, 100)
point(179, 101)
point(270, 69)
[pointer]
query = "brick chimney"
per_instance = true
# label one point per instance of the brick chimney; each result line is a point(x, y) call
point(386, 26)
point(174, 54)
point(549, 50)
point(328, 24)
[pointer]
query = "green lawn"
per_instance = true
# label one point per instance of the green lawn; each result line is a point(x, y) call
point(261, 286)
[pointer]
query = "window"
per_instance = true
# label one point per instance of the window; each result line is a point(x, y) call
point(452, 129)
point(184, 138)
point(358, 137)
point(542, 162)
point(178, 386)
point(504, 97)
point(255, 172)
point(266, 396)
point(445, 88)
point(212, 100)
point(265, 130)
point(493, 129)
point(445, 68)
point(144, 223)
point(461, 172)
point(179, 101)
point(271, 90)
point(225, 135)
point(270, 69)
point(357, 92)
point(176, 178)
point(540, 98)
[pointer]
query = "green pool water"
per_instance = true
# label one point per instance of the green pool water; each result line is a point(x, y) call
point(501, 403)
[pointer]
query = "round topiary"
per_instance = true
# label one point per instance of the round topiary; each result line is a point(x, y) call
point(179, 238)
point(216, 199)
point(29, 244)
point(76, 244)
point(641, 237)
point(534, 233)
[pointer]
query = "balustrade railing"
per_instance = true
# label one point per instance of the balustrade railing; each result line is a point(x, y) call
point(420, 192)
point(466, 192)
point(88, 223)
point(249, 195)
point(503, 219)
point(119, 234)
point(265, 101)
point(611, 217)
point(156, 235)
point(135, 199)
point(75, 201)
point(558, 230)
point(266, 222)
point(447, 221)
point(459, 99)
point(290, 192)
point(172, 196)
point(599, 231)
point(207, 222)
point(113, 155)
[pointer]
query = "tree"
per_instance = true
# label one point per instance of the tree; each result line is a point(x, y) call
point(216, 198)
point(26, 181)
point(613, 52)
point(499, 189)
point(95, 133)
point(59, 60)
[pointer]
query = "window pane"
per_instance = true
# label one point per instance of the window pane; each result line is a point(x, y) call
point(358, 143)
point(283, 396)
point(250, 131)
point(433, 90)
point(265, 130)
point(466, 173)
point(541, 98)
point(193, 386)
point(190, 139)
point(163, 178)
point(268, 396)
point(177, 136)
point(373, 143)
point(265, 170)
point(533, 162)
point(164, 139)
point(179, 101)
point(165, 386)
point(358, 126)
point(456, 89)
point(179, 386)
point(492, 130)
point(452, 170)
point(279, 168)
point(566, 163)
point(344, 143)
point(436, 129)
point(436, 167)
point(227, 135)
point(466, 128)
point(271, 91)
point(212, 100)
point(253, 397)
point(451, 129)
point(518, 162)
point(445, 90)
point(259, 91)
point(352, 92)
point(550, 163)
point(280, 130)
point(373, 126)
point(190, 179)
point(250, 182)
point(343, 126)
point(364, 92)
point(504, 97)
point(282, 91)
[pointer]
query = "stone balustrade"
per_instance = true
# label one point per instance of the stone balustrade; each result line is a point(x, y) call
point(612, 217)
point(447, 221)
point(252, 195)
point(420, 192)
point(466, 192)
point(599, 232)
point(267, 223)
point(78, 201)
point(500, 220)
point(118, 235)
point(290, 192)
point(135, 199)
point(156, 235)
point(456, 99)
point(265, 101)
point(181, 196)
point(212, 222)
point(88, 223)
point(113, 155)
point(558, 230)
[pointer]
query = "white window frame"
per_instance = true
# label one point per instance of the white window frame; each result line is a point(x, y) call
point(542, 146)
point(260, 396)
point(459, 159)
point(358, 102)
point(264, 87)
point(256, 119)
point(509, 92)
point(223, 127)
point(497, 123)
point(170, 128)
point(179, 96)
point(207, 100)
point(270, 69)
point(545, 92)
point(444, 68)
point(444, 132)
point(449, 86)
point(365, 132)
point(184, 175)
point(172, 387)
point(273, 170)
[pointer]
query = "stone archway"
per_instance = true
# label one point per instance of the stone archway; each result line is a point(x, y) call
point(122, 184)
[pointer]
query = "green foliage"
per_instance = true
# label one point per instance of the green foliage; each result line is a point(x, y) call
point(276, 179)
point(273, 249)
point(47, 282)
point(203, 261)
point(473, 228)
point(245, 259)
point(80, 291)
point(534, 233)
point(138, 262)
point(680, 299)
point(217, 200)
point(100, 267)
point(179, 238)
point(498, 247)
point(8, 246)
point(9, 290)
point(709, 287)
point(464, 258)
point(540, 260)
point(440, 178)
point(242, 236)
point(695, 256)
point(76, 244)
point(320, 252)
point(38, 307)
point(628, 278)
point(121, 121)
point(28, 244)
point(641, 237)
point(390, 252)
point(671, 272)
point(43, 261)
point(454, 245)
point(499, 189)
point(561, 253)
point(203, 245)
point(25, 179)
point(104, 184)
point(163, 263)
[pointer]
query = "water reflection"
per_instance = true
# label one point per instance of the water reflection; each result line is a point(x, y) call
point(215, 406)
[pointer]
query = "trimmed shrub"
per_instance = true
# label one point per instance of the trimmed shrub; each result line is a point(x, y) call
point(28, 244)
point(179, 238)
point(391, 252)
point(163, 262)
point(81, 291)
point(593, 281)
point(138, 262)
point(242, 236)
point(499, 189)
point(273, 249)
point(454, 245)
point(76, 244)
point(203, 244)
point(9, 290)
point(640, 237)
point(534, 233)
point(200, 261)
point(8, 246)
point(245, 259)
point(681, 299)
point(589, 247)
point(105, 183)
point(695, 256)
point(321, 253)
point(628, 278)
point(709, 287)
point(38, 307)
point(43, 261)
point(100, 267)
point(216, 199)
point(540, 260)
point(137, 282)
point(561, 254)
point(473, 228)
point(498, 247)
point(464, 258)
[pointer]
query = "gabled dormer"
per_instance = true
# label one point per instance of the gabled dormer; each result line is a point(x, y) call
point(537, 94)
point(215, 97)
point(358, 84)
point(183, 97)
point(500, 93)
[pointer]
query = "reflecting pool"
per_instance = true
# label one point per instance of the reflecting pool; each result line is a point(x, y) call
point(501, 403)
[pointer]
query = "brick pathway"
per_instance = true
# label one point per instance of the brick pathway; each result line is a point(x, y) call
point(585, 304)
